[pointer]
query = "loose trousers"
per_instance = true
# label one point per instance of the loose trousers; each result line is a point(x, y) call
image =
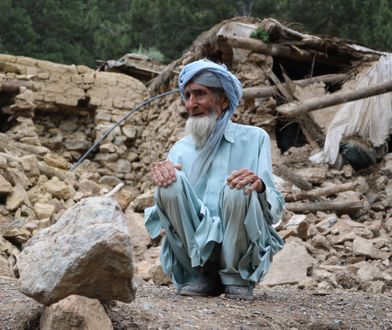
point(238, 239)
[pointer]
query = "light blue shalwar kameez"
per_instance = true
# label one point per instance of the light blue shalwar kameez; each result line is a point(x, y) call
point(196, 218)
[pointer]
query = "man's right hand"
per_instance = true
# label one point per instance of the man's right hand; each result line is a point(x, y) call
point(164, 173)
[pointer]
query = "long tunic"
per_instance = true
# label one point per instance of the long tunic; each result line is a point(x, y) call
point(242, 146)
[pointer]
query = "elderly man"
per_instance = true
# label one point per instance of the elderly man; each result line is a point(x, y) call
point(215, 196)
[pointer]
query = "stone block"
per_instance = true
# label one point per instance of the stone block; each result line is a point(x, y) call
point(87, 252)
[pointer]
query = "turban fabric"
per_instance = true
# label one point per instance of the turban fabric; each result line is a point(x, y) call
point(233, 90)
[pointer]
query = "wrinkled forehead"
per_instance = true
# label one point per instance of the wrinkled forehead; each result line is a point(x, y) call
point(207, 78)
point(192, 86)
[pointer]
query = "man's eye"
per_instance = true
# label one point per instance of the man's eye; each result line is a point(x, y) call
point(200, 93)
point(187, 96)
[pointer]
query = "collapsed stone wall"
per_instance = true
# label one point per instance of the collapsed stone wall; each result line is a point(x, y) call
point(50, 115)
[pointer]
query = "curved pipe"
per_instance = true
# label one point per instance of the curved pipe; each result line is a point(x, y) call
point(173, 91)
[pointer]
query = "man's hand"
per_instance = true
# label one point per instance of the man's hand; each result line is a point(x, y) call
point(164, 173)
point(245, 179)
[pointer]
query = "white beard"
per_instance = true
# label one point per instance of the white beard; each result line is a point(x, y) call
point(200, 128)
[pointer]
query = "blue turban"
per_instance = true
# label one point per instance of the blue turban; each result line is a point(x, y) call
point(233, 90)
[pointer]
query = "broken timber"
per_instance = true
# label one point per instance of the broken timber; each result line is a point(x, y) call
point(337, 207)
point(293, 53)
point(287, 174)
point(321, 191)
point(254, 92)
point(291, 110)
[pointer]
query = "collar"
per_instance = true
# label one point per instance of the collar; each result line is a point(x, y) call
point(229, 132)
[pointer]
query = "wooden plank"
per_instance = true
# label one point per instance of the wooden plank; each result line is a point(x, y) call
point(291, 110)
point(285, 51)
point(266, 91)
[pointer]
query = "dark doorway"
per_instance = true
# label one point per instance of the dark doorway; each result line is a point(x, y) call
point(289, 134)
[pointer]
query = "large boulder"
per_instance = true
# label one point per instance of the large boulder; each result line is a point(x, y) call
point(88, 252)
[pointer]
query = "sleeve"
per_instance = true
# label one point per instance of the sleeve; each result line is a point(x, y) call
point(151, 221)
point(271, 200)
point(151, 217)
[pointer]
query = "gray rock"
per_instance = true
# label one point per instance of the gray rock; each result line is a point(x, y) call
point(87, 252)
point(364, 247)
point(142, 201)
point(16, 198)
point(76, 144)
point(5, 269)
point(68, 126)
point(157, 274)
point(386, 169)
point(5, 186)
point(130, 132)
point(290, 265)
point(109, 180)
point(75, 312)
point(30, 165)
point(58, 188)
point(123, 166)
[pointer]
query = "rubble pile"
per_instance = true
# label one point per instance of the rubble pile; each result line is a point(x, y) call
point(50, 115)
point(338, 220)
point(349, 247)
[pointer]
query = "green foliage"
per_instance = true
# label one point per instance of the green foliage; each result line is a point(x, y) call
point(260, 34)
point(152, 53)
point(83, 31)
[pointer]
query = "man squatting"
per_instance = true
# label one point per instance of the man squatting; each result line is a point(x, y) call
point(215, 196)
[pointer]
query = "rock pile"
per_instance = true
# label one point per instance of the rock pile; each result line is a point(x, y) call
point(350, 248)
point(50, 114)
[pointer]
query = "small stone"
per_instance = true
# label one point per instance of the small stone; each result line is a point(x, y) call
point(75, 312)
point(130, 132)
point(56, 161)
point(68, 126)
point(143, 201)
point(106, 157)
point(107, 148)
point(5, 186)
point(157, 274)
point(16, 198)
point(30, 165)
point(76, 145)
point(123, 166)
point(58, 188)
point(364, 247)
point(109, 180)
point(43, 210)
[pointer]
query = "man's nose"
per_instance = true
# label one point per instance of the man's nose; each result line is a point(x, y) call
point(192, 101)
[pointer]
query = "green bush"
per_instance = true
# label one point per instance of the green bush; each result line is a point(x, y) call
point(151, 52)
point(260, 34)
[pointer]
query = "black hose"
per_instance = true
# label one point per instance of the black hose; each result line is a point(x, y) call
point(173, 91)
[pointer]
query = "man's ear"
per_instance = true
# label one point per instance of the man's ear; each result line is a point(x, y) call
point(224, 103)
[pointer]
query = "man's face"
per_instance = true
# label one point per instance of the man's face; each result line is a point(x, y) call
point(204, 107)
point(201, 101)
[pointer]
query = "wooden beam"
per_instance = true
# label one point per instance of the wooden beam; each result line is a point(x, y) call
point(294, 53)
point(266, 91)
point(286, 173)
point(321, 191)
point(337, 207)
point(291, 110)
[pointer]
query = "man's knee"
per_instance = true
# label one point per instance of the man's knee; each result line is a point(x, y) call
point(234, 198)
point(173, 190)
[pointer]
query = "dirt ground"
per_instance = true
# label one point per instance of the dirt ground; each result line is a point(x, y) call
point(273, 308)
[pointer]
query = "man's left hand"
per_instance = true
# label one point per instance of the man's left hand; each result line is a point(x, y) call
point(245, 179)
